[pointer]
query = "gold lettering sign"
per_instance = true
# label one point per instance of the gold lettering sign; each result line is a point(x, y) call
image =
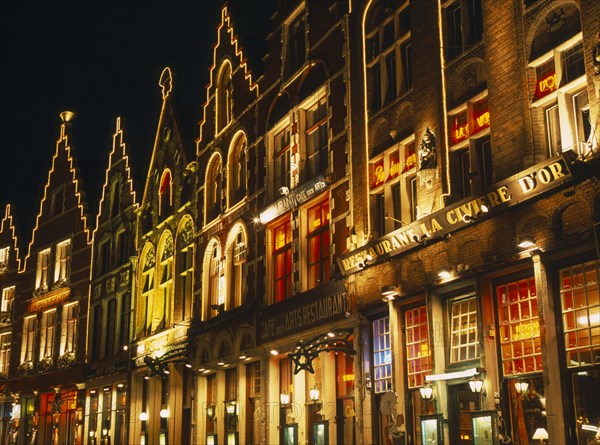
point(50, 299)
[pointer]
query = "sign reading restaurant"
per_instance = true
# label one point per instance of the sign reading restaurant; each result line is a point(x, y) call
point(513, 190)
point(317, 306)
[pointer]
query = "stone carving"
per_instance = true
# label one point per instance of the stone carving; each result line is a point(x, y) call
point(427, 151)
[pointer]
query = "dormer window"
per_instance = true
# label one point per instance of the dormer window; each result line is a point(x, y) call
point(4, 252)
point(224, 97)
point(165, 195)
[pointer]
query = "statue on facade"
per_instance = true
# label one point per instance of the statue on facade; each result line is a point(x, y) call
point(427, 151)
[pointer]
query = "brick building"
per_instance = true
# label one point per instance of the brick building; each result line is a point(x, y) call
point(389, 236)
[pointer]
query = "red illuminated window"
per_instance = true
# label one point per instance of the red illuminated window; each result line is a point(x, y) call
point(519, 327)
point(282, 260)
point(418, 350)
point(318, 244)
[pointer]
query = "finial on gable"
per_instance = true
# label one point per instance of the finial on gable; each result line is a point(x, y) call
point(166, 82)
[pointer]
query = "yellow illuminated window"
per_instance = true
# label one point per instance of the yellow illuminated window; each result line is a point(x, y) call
point(519, 327)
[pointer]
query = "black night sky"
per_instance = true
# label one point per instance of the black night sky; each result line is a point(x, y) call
point(101, 59)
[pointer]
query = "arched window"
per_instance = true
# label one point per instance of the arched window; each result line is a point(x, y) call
point(236, 266)
point(146, 292)
point(165, 196)
point(213, 188)
point(184, 271)
point(213, 296)
point(164, 298)
point(224, 96)
point(236, 177)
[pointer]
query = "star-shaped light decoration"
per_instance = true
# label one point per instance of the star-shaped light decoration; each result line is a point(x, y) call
point(335, 340)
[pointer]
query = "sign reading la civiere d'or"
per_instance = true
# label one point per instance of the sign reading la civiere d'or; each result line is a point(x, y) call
point(513, 190)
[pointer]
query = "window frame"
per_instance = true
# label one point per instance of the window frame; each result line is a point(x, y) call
point(62, 261)
point(284, 251)
point(377, 58)
point(478, 349)
point(561, 95)
point(384, 382)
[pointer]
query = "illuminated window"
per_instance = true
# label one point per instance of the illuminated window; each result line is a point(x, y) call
point(316, 139)
point(389, 55)
point(295, 43)
point(213, 189)
point(559, 86)
point(146, 300)
point(224, 97)
point(4, 252)
point(418, 348)
point(212, 280)
point(282, 260)
point(8, 297)
point(281, 159)
point(185, 269)
point(63, 257)
point(464, 338)
point(393, 183)
point(580, 303)
point(236, 267)
point(27, 348)
point(162, 315)
point(70, 320)
point(236, 178)
point(471, 158)
point(382, 355)
point(165, 194)
point(519, 327)
point(43, 263)
point(47, 334)
point(5, 342)
point(318, 244)
point(464, 26)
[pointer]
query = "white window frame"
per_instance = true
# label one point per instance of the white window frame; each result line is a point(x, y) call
point(458, 329)
point(403, 79)
point(42, 278)
point(8, 298)
point(62, 260)
point(563, 98)
point(70, 322)
point(48, 334)
point(28, 341)
point(382, 356)
point(4, 257)
point(5, 346)
point(407, 181)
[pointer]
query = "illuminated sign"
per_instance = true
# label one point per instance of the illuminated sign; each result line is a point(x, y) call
point(514, 190)
point(50, 299)
point(293, 199)
point(315, 307)
point(378, 174)
point(545, 86)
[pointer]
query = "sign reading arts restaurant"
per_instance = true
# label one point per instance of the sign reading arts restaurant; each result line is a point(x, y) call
point(320, 305)
point(514, 190)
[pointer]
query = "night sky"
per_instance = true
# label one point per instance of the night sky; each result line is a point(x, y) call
point(101, 59)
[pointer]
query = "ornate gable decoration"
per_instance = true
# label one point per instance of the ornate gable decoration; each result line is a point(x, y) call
point(233, 41)
point(61, 143)
point(118, 153)
point(7, 224)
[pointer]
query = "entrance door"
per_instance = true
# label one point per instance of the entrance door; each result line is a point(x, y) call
point(461, 403)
